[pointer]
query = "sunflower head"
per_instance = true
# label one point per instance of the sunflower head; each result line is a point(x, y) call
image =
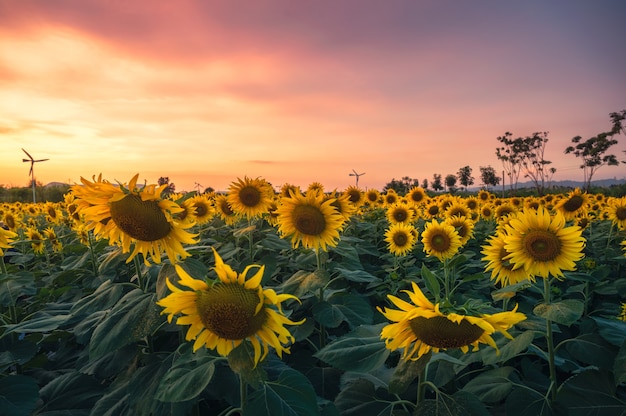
point(440, 240)
point(250, 197)
point(399, 213)
point(229, 311)
point(400, 238)
point(574, 204)
point(6, 238)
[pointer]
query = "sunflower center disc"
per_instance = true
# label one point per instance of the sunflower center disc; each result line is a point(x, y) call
point(620, 213)
point(250, 196)
point(440, 332)
point(542, 245)
point(201, 209)
point(573, 204)
point(309, 220)
point(400, 239)
point(226, 208)
point(227, 310)
point(354, 196)
point(400, 215)
point(142, 220)
point(440, 242)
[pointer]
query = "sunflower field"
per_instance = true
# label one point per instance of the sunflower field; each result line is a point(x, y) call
point(127, 300)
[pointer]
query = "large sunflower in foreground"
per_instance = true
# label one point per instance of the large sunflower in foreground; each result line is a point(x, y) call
point(309, 220)
point(400, 238)
point(250, 197)
point(224, 313)
point(419, 326)
point(127, 215)
point(6, 238)
point(440, 240)
point(541, 244)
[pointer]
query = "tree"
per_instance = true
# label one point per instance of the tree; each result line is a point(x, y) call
point(425, 184)
point(533, 161)
point(451, 183)
point(592, 151)
point(510, 155)
point(436, 182)
point(402, 186)
point(465, 177)
point(170, 189)
point(489, 177)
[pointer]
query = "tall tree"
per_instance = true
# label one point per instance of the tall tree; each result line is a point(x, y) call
point(425, 184)
point(593, 151)
point(436, 183)
point(533, 161)
point(488, 176)
point(465, 177)
point(510, 154)
point(170, 188)
point(451, 182)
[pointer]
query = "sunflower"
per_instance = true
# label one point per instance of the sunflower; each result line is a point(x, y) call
point(400, 238)
point(487, 212)
point(127, 215)
point(250, 197)
point(315, 187)
point(400, 213)
point(420, 327)
point(36, 240)
point(417, 195)
point(541, 244)
point(484, 195)
point(432, 210)
point(390, 197)
point(457, 209)
point(355, 195)
point(372, 197)
point(573, 205)
point(309, 220)
point(622, 313)
point(203, 211)
point(11, 221)
point(503, 210)
point(225, 211)
point(342, 204)
point(6, 238)
point(440, 240)
point(224, 313)
point(501, 268)
point(51, 235)
point(616, 210)
point(463, 226)
point(287, 189)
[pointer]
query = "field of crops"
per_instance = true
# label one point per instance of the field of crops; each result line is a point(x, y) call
point(125, 300)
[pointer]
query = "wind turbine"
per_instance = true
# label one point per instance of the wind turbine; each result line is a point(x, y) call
point(32, 170)
point(198, 186)
point(357, 176)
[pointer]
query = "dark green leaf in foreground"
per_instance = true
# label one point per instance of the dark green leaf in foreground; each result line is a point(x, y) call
point(492, 385)
point(512, 348)
point(303, 282)
point(131, 319)
point(18, 395)
point(590, 393)
point(188, 376)
point(527, 402)
point(16, 285)
point(361, 397)
point(290, 394)
point(406, 372)
point(564, 312)
point(461, 403)
point(619, 368)
point(612, 330)
point(361, 350)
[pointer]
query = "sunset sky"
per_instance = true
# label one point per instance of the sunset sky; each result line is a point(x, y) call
point(301, 91)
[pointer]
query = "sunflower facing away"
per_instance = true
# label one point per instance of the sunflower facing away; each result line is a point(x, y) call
point(224, 313)
point(400, 238)
point(440, 240)
point(127, 215)
point(309, 220)
point(541, 244)
point(419, 327)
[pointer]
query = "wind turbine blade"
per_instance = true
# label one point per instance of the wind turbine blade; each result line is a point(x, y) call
point(40, 160)
point(26, 160)
point(31, 168)
point(31, 158)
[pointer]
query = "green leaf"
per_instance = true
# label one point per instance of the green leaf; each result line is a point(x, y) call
point(564, 312)
point(361, 350)
point(491, 386)
point(42, 322)
point(71, 391)
point(135, 316)
point(18, 395)
point(343, 307)
point(290, 394)
point(358, 276)
point(188, 377)
point(327, 314)
point(619, 368)
point(527, 402)
point(590, 392)
point(431, 281)
point(16, 285)
point(303, 282)
point(361, 397)
point(461, 403)
point(512, 348)
point(406, 372)
point(105, 296)
point(612, 330)
point(593, 350)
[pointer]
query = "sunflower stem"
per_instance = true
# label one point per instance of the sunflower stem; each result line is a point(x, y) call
point(138, 270)
point(94, 260)
point(250, 242)
point(421, 385)
point(243, 392)
point(3, 267)
point(550, 341)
